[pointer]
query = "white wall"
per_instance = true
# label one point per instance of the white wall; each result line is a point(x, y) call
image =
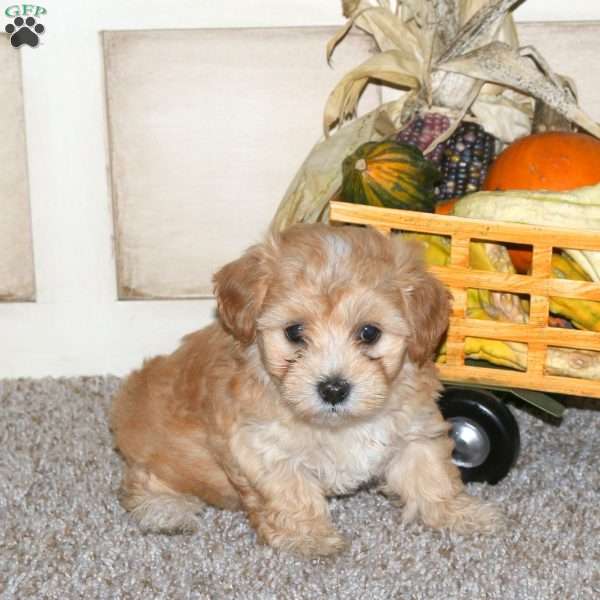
point(76, 326)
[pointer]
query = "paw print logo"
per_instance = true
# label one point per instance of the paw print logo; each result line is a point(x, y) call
point(24, 31)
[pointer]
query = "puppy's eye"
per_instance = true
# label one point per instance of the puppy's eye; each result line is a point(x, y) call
point(294, 333)
point(369, 334)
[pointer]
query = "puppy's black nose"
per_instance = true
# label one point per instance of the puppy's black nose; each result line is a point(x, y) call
point(334, 390)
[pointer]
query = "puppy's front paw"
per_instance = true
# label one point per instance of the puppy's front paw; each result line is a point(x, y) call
point(463, 514)
point(319, 541)
point(165, 517)
point(319, 545)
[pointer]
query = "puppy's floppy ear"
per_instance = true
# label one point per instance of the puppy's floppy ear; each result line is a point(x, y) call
point(426, 301)
point(240, 288)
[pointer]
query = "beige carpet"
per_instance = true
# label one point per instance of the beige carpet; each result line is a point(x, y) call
point(63, 534)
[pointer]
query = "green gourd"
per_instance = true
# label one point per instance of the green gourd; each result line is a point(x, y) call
point(389, 174)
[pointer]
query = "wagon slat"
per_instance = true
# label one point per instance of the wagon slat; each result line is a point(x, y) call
point(540, 286)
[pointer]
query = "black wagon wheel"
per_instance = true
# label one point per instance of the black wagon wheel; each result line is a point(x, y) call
point(485, 433)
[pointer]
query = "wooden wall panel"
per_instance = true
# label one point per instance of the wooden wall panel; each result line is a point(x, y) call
point(207, 129)
point(16, 253)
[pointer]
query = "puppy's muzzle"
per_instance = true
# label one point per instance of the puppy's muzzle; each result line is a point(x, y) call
point(334, 390)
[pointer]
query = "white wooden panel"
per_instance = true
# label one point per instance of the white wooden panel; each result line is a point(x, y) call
point(207, 128)
point(16, 255)
point(557, 10)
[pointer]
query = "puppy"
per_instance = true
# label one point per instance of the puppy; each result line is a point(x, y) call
point(316, 379)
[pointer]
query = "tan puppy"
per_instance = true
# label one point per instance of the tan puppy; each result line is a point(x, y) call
point(317, 379)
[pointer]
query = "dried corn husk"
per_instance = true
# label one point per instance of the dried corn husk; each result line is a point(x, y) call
point(499, 63)
point(546, 118)
point(429, 32)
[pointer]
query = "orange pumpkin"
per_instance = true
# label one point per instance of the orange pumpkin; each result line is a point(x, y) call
point(445, 207)
point(555, 161)
point(521, 257)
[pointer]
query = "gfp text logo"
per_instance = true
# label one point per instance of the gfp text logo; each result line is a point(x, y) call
point(25, 10)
